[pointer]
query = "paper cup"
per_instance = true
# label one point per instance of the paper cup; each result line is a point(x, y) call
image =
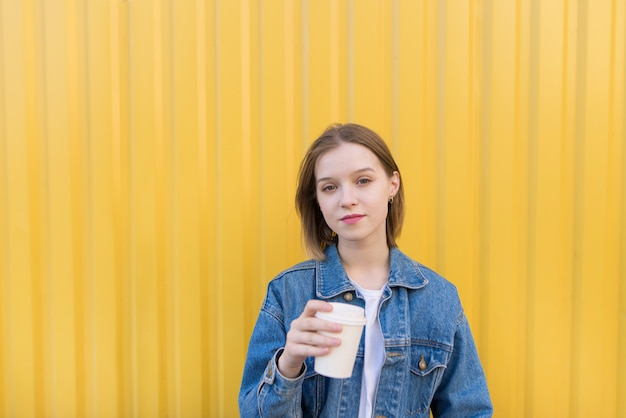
point(340, 361)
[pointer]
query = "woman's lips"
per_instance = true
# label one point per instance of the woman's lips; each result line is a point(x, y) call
point(352, 219)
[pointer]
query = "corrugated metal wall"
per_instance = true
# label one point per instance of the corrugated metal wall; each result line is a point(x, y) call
point(148, 152)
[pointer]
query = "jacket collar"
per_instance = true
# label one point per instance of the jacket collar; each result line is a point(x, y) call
point(332, 279)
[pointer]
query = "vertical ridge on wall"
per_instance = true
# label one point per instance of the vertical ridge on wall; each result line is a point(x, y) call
point(368, 55)
point(334, 54)
point(386, 63)
point(393, 42)
point(349, 61)
point(148, 275)
point(483, 121)
point(522, 167)
point(218, 184)
point(616, 238)
point(37, 199)
point(474, 66)
point(4, 225)
point(187, 372)
point(293, 119)
point(409, 111)
point(619, 136)
point(164, 191)
point(305, 73)
point(121, 207)
point(253, 39)
point(439, 119)
point(208, 125)
point(248, 149)
point(578, 215)
point(204, 258)
point(17, 188)
point(613, 207)
point(229, 213)
point(205, 209)
point(57, 202)
point(533, 93)
point(428, 150)
point(594, 182)
point(79, 158)
point(499, 202)
point(567, 162)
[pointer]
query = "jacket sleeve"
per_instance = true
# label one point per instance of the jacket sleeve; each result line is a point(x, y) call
point(264, 391)
point(463, 389)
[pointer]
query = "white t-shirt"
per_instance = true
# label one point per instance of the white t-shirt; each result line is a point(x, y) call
point(374, 350)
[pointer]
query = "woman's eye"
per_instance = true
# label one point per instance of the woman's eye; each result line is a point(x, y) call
point(363, 181)
point(328, 188)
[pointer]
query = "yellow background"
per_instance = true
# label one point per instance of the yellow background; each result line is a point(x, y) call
point(148, 154)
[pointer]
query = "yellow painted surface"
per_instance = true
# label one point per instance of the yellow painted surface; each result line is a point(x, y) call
point(148, 155)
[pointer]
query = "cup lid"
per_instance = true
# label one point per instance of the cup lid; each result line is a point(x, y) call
point(343, 313)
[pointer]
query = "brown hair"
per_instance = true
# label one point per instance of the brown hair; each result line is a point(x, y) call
point(317, 234)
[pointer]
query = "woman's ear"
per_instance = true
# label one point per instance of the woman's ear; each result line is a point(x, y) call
point(394, 184)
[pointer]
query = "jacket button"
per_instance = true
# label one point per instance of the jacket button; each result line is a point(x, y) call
point(422, 364)
point(348, 297)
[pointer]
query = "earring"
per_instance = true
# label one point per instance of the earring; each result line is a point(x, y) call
point(391, 200)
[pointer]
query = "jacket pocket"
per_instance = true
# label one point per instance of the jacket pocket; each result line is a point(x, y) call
point(427, 365)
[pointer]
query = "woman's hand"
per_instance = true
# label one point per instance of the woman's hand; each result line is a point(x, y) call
point(304, 340)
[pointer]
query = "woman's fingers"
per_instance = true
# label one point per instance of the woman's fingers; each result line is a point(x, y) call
point(308, 322)
point(309, 336)
point(313, 306)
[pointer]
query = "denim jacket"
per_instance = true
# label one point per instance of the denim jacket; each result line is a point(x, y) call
point(421, 318)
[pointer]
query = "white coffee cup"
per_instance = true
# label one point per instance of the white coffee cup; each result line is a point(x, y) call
point(340, 361)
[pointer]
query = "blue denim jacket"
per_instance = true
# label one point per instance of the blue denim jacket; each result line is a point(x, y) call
point(420, 315)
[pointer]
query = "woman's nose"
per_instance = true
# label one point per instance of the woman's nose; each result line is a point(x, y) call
point(348, 197)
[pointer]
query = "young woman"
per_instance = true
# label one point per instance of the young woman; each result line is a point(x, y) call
point(417, 353)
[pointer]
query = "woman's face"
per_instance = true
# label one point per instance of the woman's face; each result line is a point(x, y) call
point(353, 191)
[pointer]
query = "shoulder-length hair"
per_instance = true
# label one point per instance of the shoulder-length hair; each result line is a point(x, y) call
point(316, 233)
